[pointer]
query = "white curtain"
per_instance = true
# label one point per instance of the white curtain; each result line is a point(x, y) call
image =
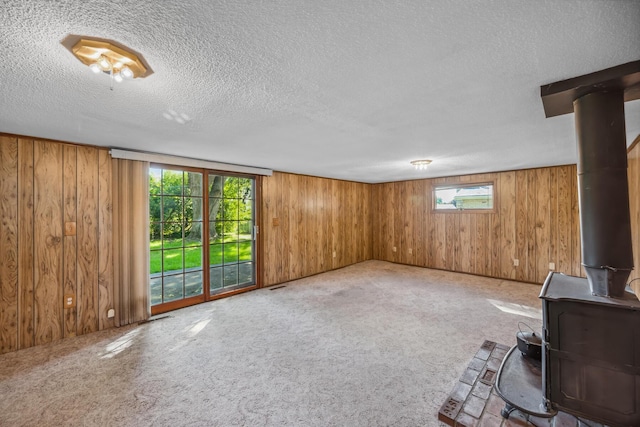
point(131, 240)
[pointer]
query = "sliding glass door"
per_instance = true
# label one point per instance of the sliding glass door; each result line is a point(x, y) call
point(202, 240)
point(231, 232)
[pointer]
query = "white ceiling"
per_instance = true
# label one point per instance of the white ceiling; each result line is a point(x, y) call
point(348, 89)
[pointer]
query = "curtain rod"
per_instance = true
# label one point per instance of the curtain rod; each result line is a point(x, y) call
point(117, 153)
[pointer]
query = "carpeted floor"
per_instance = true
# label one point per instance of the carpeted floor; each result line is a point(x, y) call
point(373, 344)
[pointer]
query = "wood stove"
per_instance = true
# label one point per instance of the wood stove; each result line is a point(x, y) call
point(591, 352)
point(591, 327)
point(591, 336)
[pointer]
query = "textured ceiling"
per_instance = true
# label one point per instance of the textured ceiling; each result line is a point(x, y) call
point(346, 89)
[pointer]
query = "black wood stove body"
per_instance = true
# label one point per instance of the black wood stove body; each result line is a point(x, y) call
point(591, 352)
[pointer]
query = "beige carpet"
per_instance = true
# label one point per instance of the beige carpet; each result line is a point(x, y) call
point(373, 344)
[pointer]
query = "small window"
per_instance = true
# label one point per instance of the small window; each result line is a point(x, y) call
point(465, 197)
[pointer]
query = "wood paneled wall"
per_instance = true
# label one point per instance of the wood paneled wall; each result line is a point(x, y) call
point(634, 204)
point(535, 221)
point(311, 225)
point(55, 235)
point(56, 232)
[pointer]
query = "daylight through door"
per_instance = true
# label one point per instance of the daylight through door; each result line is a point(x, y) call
point(202, 235)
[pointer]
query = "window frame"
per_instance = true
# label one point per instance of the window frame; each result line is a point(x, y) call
point(451, 184)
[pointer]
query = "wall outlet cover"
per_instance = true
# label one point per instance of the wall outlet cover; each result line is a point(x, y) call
point(69, 300)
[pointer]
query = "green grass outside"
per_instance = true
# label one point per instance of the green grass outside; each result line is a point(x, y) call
point(225, 250)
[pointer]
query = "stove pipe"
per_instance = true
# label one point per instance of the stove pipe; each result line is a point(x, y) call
point(605, 223)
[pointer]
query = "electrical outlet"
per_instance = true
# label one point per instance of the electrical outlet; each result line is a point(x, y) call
point(69, 301)
point(516, 262)
point(410, 251)
point(334, 254)
point(552, 266)
point(111, 313)
point(395, 249)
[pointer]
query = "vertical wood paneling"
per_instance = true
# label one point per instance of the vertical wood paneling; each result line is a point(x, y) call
point(432, 232)
point(553, 219)
point(375, 223)
point(366, 233)
point(463, 257)
point(394, 229)
point(422, 223)
point(25, 243)
point(295, 239)
point(480, 253)
point(350, 244)
point(310, 231)
point(508, 204)
point(532, 210)
point(317, 237)
point(105, 242)
point(48, 262)
point(563, 246)
point(346, 233)
point(327, 243)
point(8, 244)
point(439, 241)
point(268, 229)
point(49, 190)
point(282, 260)
point(400, 222)
point(336, 229)
point(452, 247)
point(532, 223)
point(495, 245)
point(488, 246)
point(273, 229)
point(285, 215)
point(87, 240)
point(542, 224)
point(339, 208)
point(316, 217)
point(388, 235)
point(528, 225)
point(521, 224)
point(417, 231)
point(473, 233)
point(69, 244)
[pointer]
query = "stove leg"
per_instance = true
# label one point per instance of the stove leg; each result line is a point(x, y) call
point(506, 411)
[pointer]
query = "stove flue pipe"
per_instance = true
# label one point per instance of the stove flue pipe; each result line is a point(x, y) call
point(605, 222)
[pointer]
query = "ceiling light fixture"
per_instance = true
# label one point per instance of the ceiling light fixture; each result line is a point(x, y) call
point(109, 57)
point(421, 164)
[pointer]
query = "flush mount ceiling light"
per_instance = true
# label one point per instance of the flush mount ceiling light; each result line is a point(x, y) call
point(108, 57)
point(421, 164)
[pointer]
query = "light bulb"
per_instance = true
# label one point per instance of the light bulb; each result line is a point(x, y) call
point(126, 72)
point(95, 68)
point(117, 77)
point(104, 63)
